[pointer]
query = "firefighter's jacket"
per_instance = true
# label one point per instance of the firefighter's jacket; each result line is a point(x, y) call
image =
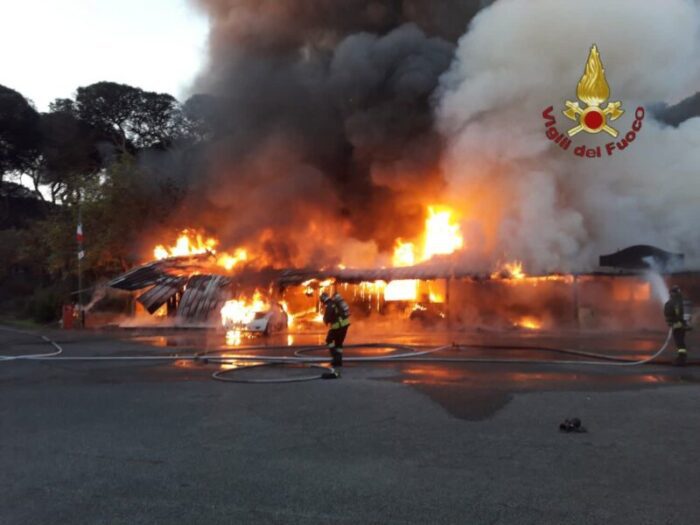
point(333, 316)
point(673, 312)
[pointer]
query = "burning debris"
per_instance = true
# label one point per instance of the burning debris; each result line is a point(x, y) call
point(192, 242)
point(192, 278)
point(427, 284)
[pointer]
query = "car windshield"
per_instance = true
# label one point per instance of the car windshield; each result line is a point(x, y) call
point(260, 315)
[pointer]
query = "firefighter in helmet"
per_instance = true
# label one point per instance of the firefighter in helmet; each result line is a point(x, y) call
point(337, 316)
point(675, 318)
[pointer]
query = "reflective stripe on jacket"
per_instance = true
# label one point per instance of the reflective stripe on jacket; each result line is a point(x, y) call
point(341, 322)
point(334, 317)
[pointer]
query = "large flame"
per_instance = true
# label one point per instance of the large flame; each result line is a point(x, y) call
point(193, 242)
point(403, 290)
point(593, 88)
point(237, 313)
point(442, 236)
point(190, 242)
point(240, 312)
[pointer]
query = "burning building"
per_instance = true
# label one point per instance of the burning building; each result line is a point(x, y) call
point(426, 287)
point(342, 132)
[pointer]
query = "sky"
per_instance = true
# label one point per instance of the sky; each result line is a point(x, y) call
point(51, 47)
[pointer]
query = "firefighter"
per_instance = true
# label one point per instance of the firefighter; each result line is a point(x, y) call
point(337, 317)
point(674, 314)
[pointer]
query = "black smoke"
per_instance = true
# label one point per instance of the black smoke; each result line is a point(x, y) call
point(323, 109)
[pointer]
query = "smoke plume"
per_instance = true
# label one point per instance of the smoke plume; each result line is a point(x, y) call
point(326, 135)
point(338, 121)
point(526, 197)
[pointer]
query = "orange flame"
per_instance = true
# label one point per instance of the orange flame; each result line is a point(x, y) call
point(510, 270)
point(230, 261)
point(192, 242)
point(402, 290)
point(239, 312)
point(442, 236)
point(189, 242)
point(513, 273)
point(529, 323)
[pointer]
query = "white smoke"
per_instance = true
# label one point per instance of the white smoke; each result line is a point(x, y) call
point(659, 287)
point(523, 195)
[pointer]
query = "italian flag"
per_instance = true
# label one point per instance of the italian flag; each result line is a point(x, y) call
point(79, 238)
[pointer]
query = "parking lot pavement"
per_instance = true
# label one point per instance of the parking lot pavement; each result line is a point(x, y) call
point(392, 443)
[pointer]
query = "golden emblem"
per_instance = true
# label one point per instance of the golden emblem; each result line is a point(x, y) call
point(593, 90)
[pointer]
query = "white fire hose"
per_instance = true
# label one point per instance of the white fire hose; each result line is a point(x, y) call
point(409, 354)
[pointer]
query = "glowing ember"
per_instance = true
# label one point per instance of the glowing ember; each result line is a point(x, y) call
point(234, 337)
point(529, 323)
point(325, 284)
point(234, 363)
point(514, 270)
point(513, 273)
point(436, 297)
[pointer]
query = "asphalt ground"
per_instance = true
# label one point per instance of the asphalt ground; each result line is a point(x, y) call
point(399, 442)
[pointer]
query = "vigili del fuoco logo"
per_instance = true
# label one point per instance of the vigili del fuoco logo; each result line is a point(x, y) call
point(595, 116)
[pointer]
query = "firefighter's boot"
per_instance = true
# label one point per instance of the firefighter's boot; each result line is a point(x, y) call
point(681, 358)
point(337, 354)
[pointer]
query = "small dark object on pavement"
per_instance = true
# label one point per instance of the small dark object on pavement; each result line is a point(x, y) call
point(572, 425)
point(331, 375)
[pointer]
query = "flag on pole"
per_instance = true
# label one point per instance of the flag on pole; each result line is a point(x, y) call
point(79, 238)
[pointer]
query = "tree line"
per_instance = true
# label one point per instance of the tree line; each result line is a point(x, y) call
point(114, 154)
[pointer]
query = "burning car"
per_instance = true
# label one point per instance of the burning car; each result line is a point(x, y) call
point(273, 320)
point(254, 317)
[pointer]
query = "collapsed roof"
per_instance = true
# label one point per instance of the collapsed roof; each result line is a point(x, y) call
point(195, 286)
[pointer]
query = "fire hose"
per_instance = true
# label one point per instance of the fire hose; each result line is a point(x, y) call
point(406, 353)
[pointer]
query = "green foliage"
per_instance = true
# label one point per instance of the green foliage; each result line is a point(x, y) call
point(70, 154)
point(10, 244)
point(19, 134)
point(45, 305)
point(88, 153)
point(116, 218)
point(131, 117)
